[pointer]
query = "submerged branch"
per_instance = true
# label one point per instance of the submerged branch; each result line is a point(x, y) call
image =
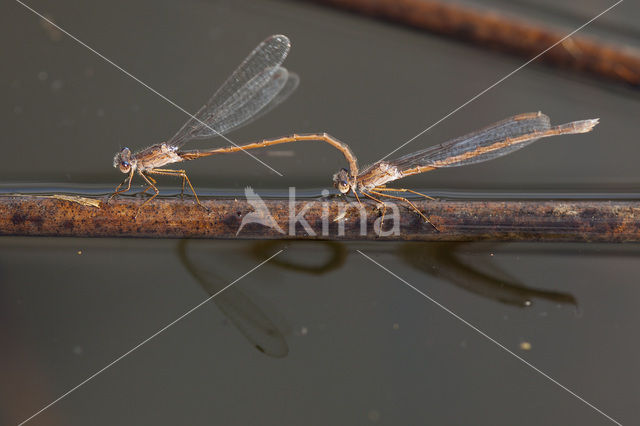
point(329, 219)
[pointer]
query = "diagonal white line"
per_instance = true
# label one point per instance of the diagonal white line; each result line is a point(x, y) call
point(503, 79)
point(146, 340)
point(500, 345)
point(144, 84)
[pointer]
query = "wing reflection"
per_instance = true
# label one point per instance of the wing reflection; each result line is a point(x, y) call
point(247, 316)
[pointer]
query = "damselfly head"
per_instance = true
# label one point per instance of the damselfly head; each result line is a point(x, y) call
point(343, 181)
point(122, 160)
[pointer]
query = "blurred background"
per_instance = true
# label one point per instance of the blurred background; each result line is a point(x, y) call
point(333, 339)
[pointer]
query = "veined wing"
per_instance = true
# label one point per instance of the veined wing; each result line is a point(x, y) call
point(485, 144)
point(289, 87)
point(491, 142)
point(258, 77)
point(281, 85)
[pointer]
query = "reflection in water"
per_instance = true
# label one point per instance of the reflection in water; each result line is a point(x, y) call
point(338, 254)
point(252, 322)
point(440, 260)
point(436, 259)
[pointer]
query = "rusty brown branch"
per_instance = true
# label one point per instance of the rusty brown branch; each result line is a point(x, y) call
point(505, 34)
point(603, 221)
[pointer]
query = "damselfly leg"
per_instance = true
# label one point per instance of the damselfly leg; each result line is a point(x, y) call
point(406, 200)
point(120, 191)
point(185, 178)
point(148, 187)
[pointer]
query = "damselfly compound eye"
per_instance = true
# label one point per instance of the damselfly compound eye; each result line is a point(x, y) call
point(341, 181)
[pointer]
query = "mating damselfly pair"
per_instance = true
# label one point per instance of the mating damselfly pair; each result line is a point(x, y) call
point(261, 82)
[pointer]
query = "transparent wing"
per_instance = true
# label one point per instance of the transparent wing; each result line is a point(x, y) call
point(289, 87)
point(245, 88)
point(491, 142)
point(240, 111)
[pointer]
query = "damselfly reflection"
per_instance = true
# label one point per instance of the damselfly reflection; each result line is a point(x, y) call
point(262, 326)
point(256, 86)
point(465, 266)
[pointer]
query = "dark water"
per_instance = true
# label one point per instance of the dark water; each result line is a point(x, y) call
point(320, 334)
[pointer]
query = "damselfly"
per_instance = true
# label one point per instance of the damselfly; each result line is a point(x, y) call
point(496, 140)
point(256, 86)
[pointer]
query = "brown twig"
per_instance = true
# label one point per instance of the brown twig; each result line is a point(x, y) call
point(505, 34)
point(603, 221)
